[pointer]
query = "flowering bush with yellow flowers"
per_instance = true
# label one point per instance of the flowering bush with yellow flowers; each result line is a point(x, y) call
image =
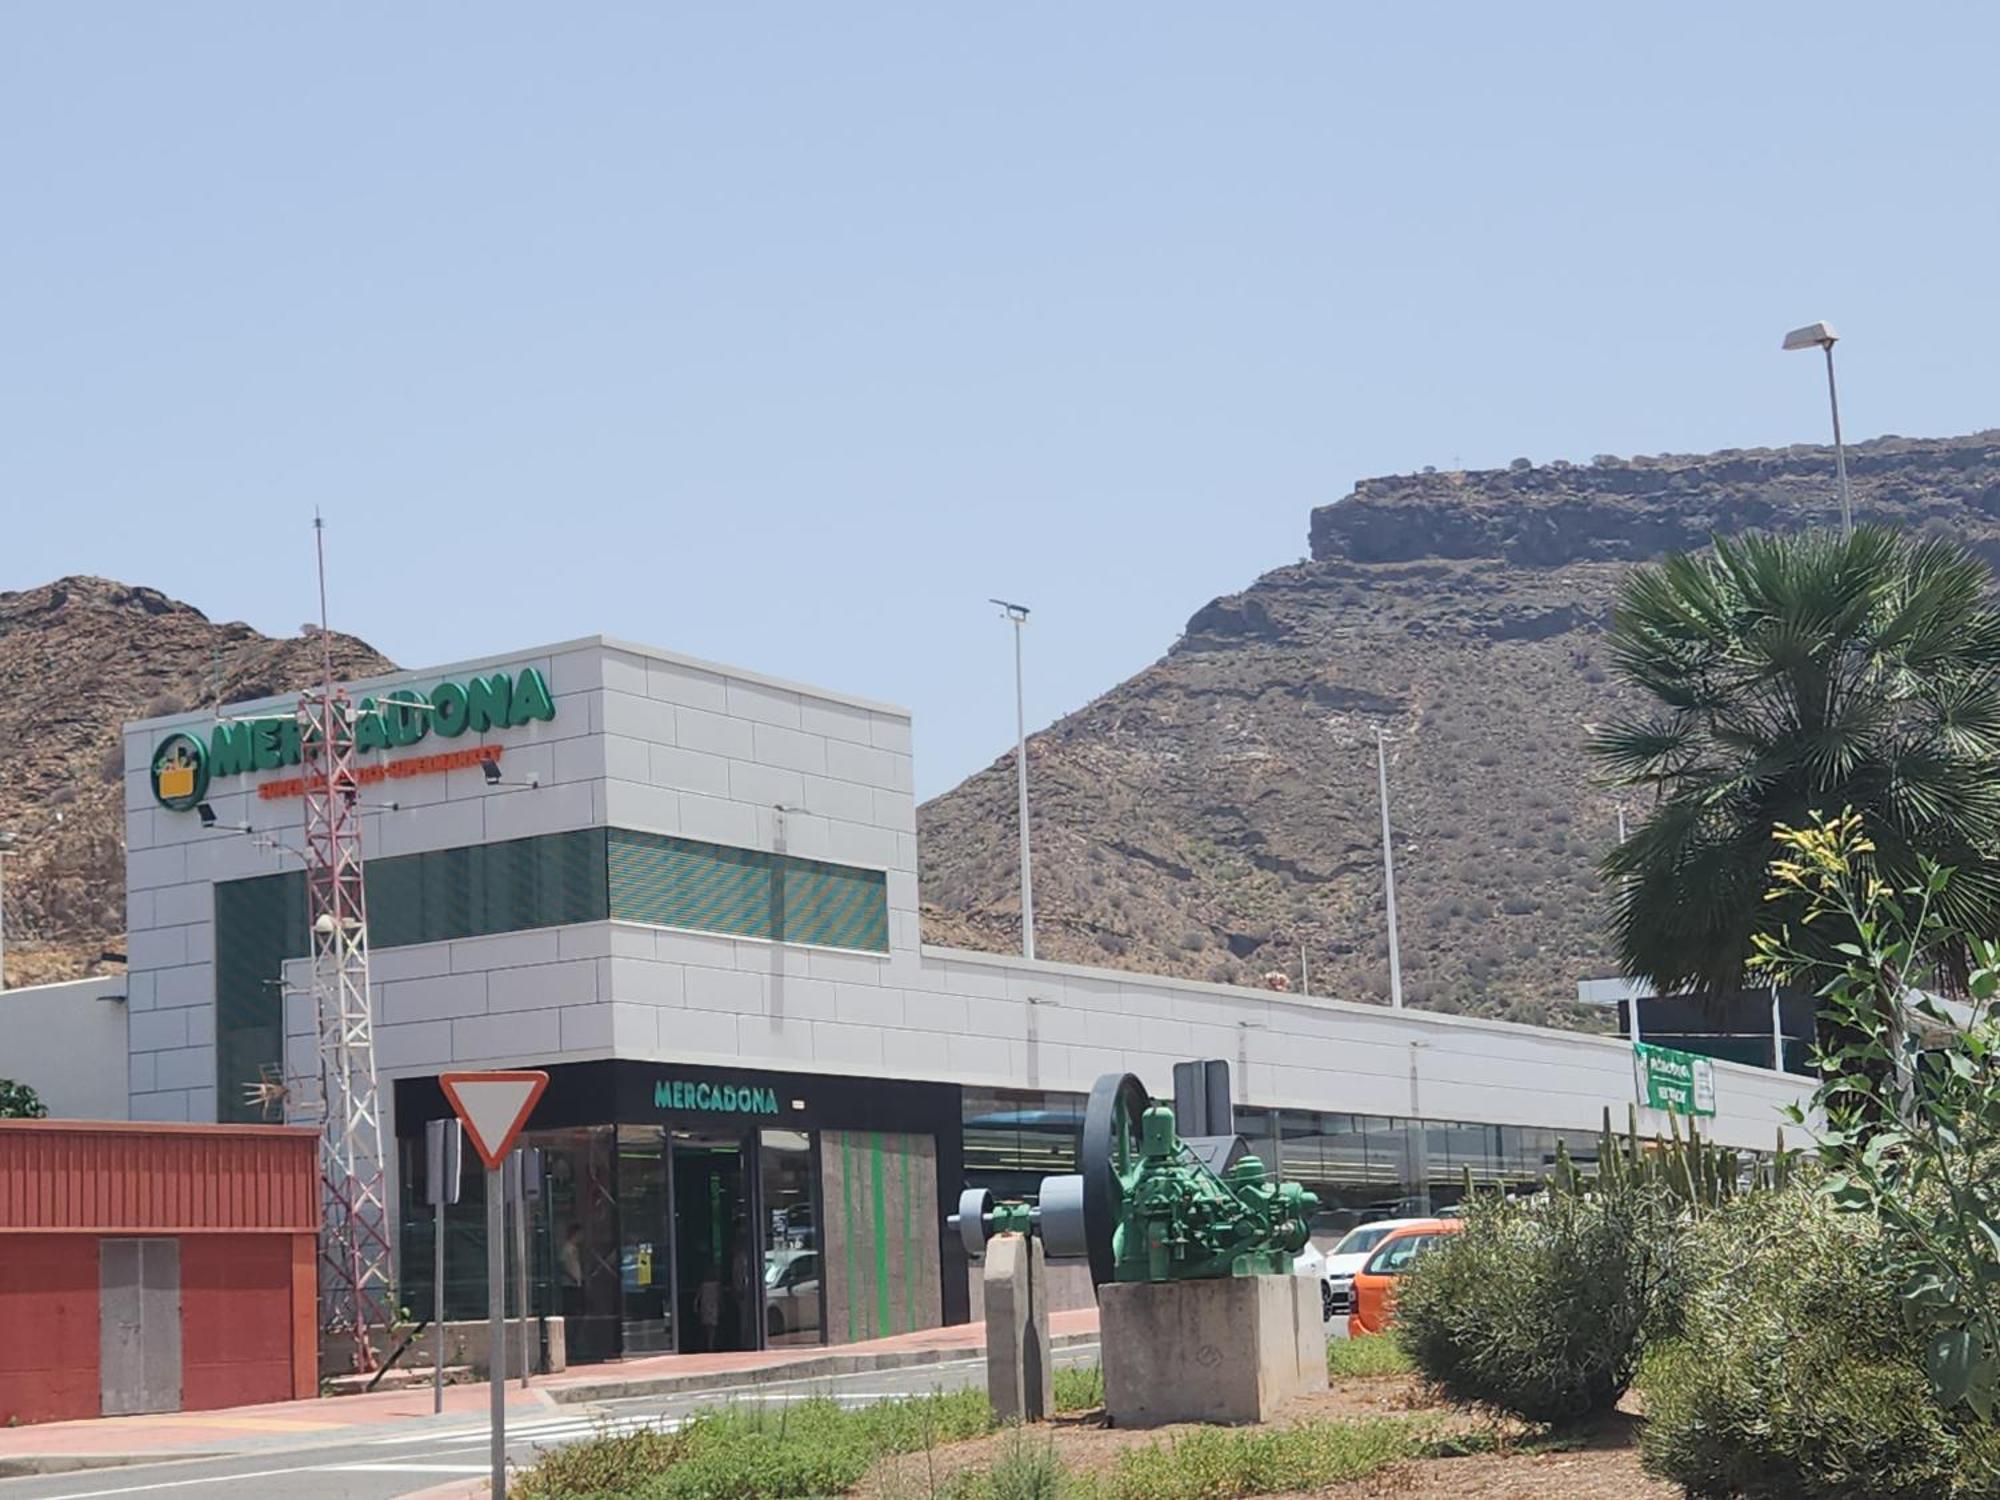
point(1910, 1092)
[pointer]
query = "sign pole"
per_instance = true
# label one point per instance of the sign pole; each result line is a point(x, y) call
point(518, 1171)
point(443, 1167)
point(493, 1106)
point(437, 1309)
point(496, 1319)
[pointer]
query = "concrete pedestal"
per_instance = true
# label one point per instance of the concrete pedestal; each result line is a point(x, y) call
point(1020, 1377)
point(470, 1345)
point(1229, 1350)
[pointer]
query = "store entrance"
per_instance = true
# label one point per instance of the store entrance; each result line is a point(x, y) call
point(716, 1287)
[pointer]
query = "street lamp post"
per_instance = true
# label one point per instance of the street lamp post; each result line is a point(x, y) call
point(1822, 336)
point(1389, 870)
point(6, 842)
point(1018, 614)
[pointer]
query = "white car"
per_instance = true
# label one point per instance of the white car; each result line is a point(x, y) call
point(791, 1292)
point(1336, 1267)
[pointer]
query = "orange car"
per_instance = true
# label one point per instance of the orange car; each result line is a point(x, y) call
point(1375, 1282)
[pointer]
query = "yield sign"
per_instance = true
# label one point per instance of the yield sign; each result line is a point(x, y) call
point(493, 1108)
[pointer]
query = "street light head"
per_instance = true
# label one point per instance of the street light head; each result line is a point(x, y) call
point(1812, 336)
point(491, 771)
point(1014, 611)
point(206, 813)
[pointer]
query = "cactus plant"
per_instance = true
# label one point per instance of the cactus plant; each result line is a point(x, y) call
point(1697, 1172)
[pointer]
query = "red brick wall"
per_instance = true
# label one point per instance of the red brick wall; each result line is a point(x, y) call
point(48, 1327)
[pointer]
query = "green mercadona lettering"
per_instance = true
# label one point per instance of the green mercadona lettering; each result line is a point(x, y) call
point(404, 716)
point(719, 1098)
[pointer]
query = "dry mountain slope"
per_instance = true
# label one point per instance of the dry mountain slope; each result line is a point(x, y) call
point(79, 657)
point(1217, 813)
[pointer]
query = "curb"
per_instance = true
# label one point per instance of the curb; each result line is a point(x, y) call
point(26, 1465)
point(823, 1367)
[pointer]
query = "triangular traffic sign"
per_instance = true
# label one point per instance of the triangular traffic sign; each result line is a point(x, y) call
point(493, 1107)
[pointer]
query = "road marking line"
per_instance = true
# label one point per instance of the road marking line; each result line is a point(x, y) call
point(401, 1469)
point(178, 1484)
point(467, 1434)
point(739, 1391)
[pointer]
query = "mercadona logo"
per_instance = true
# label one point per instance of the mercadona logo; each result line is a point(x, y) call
point(180, 772)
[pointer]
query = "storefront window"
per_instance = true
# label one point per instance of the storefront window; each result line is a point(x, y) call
point(701, 1229)
point(793, 1311)
point(464, 1239)
point(1016, 1137)
point(579, 1223)
point(645, 1260)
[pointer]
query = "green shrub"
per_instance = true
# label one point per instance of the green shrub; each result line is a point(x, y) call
point(1080, 1388)
point(1217, 1463)
point(604, 1465)
point(1794, 1375)
point(1027, 1469)
point(1538, 1309)
point(756, 1451)
point(1363, 1358)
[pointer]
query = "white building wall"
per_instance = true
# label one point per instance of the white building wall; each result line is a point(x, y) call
point(172, 863)
point(657, 743)
point(625, 990)
point(67, 1043)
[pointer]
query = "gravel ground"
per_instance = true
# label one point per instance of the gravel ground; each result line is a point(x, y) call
point(1604, 1468)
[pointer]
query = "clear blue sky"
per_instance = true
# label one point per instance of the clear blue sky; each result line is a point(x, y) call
point(785, 335)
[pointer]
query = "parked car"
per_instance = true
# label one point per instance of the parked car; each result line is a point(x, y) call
point(1337, 1266)
point(791, 1292)
point(1375, 1283)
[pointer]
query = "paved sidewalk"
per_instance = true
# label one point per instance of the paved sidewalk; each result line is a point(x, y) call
point(53, 1447)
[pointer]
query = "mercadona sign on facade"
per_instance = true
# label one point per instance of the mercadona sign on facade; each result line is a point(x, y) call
point(1683, 1082)
point(185, 764)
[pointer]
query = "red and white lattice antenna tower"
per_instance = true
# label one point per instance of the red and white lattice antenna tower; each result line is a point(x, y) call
point(357, 1274)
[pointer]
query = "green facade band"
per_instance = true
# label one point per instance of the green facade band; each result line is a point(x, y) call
point(675, 882)
point(184, 765)
point(554, 880)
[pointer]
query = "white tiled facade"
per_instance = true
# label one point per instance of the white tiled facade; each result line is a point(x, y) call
point(652, 742)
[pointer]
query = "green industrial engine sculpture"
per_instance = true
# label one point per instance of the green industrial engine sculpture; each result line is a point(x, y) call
point(1147, 1205)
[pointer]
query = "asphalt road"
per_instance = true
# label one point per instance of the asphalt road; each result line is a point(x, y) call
point(405, 1458)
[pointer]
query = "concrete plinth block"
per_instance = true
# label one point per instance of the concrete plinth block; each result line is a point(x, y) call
point(1228, 1350)
point(1020, 1376)
point(469, 1345)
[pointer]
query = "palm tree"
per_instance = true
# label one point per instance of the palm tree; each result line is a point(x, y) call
point(1791, 675)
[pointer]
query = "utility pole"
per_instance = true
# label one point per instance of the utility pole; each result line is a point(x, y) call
point(6, 842)
point(1018, 614)
point(1389, 869)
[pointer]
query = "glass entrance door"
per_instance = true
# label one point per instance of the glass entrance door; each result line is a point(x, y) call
point(716, 1277)
point(792, 1311)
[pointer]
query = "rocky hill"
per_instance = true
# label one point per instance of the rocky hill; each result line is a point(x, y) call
point(79, 657)
point(1216, 814)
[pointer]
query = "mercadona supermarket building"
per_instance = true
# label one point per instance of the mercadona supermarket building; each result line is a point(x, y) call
point(701, 918)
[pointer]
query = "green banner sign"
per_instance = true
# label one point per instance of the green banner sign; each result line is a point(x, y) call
point(714, 1098)
point(1683, 1082)
point(185, 764)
